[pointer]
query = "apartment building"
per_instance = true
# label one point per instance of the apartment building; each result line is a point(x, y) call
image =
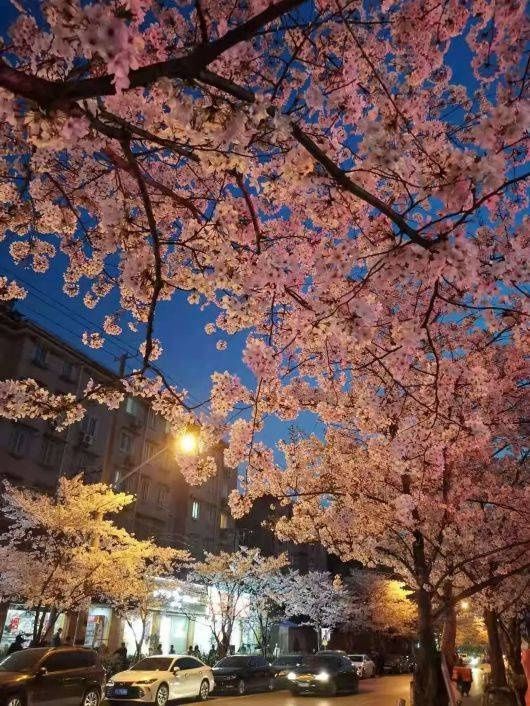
point(112, 443)
point(255, 530)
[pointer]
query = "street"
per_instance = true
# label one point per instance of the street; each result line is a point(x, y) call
point(372, 692)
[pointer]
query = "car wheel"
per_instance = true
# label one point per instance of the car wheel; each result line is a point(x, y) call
point(241, 687)
point(332, 688)
point(204, 690)
point(91, 698)
point(15, 700)
point(162, 695)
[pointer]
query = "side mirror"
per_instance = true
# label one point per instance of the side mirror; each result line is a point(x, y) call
point(175, 669)
point(42, 671)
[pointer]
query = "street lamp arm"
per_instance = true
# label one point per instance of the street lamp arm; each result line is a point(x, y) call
point(119, 482)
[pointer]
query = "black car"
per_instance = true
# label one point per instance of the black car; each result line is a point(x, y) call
point(324, 674)
point(242, 673)
point(51, 676)
point(398, 664)
point(281, 667)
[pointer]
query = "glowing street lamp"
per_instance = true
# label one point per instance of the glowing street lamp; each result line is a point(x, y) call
point(188, 442)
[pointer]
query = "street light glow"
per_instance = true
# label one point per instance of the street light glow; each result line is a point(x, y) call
point(188, 442)
point(464, 605)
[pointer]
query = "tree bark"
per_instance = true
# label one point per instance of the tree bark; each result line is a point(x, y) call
point(448, 646)
point(511, 632)
point(498, 672)
point(428, 682)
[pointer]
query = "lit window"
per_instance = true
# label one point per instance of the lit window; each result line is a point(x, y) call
point(195, 509)
point(126, 442)
point(40, 355)
point(18, 441)
point(132, 406)
point(223, 520)
point(145, 487)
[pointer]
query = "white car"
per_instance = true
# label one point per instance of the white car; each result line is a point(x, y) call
point(364, 666)
point(159, 678)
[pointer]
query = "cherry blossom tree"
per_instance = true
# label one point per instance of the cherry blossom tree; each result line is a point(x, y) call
point(61, 551)
point(317, 598)
point(234, 581)
point(319, 175)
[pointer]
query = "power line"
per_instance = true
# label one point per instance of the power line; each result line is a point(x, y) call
point(120, 345)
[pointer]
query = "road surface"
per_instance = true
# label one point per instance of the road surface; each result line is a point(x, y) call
point(384, 691)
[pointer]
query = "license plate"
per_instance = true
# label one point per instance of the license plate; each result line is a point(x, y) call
point(120, 692)
point(304, 683)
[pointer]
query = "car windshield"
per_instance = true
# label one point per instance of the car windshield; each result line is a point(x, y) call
point(153, 664)
point(320, 662)
point(233, 662)
point(287, 660)
point(23, 661)
point(356, 658)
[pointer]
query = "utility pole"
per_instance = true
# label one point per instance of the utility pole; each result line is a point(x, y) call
point(106, 470)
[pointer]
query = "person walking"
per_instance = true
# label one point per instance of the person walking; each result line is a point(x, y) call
point(121, 656)
point(16, 645)
point(56, 639)
point(171, 649)
point(463, 676)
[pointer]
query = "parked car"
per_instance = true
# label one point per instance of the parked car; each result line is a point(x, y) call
point(159, 678)
point(242, 673)
point(281, 667)
point(364, 665)
point(398, 664)
point(324, 674)
point(64, 676)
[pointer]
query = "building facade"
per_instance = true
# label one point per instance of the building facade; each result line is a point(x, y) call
point(107, 445)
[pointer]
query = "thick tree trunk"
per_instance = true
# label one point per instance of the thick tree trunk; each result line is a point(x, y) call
point(498, 693)
point(498, 673)
point(511, 632)
point(428, 682)
point(448, 646)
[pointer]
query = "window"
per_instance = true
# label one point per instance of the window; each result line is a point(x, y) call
point(85, 658)
point(65, 659)
point(89, 425)
point(149, 451)
point(151, 419)
point(132, 406)
point(18, 441)
point(188, 663)
point(126, 442)
point(162, 496)
point(195, 509)
point(51, 452)
point(145, 487)
point(223, 520)
point(40, 355)
point(68, 370)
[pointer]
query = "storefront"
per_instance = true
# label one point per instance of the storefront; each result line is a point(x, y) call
point(19, 621)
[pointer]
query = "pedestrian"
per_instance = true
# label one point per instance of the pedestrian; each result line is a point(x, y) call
point(190, 650)
point(463, 676)
point(159, 649)
point(56, 639)
point(171, 650)
point(196, 652)
point(121, 656)
point(16, 645)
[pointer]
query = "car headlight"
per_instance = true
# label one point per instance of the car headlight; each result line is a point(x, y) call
point(323, 676)
point(146, 681)
point(291, 676)
point(110, 684)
